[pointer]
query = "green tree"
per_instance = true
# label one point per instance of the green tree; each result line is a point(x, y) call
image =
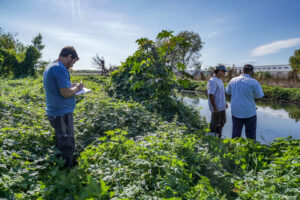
point(8, 62)
point(188, 55)
point(9, 47)
point(295, 64)
point(16, 59)
point(28, 64)
point(9, 41)
point(37, 42)
point(31, 63)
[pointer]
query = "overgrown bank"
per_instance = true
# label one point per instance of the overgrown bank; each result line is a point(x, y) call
point(271, 92)
point(137, 143)
point(124, 151)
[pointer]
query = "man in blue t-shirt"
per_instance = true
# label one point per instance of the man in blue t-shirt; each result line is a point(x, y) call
point(61, 101)
point(244, 90)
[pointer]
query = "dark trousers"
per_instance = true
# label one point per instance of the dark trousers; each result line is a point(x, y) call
point(64, 136)
point(217, 122)
point(250, 127)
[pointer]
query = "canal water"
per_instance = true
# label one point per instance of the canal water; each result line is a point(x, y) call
point(274, 119)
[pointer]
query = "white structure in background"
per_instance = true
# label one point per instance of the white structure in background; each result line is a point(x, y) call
point(274, 70)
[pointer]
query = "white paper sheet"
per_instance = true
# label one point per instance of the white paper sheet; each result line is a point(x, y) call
point(84, 90)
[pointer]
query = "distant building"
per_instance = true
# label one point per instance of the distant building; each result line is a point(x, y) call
point(274, 70)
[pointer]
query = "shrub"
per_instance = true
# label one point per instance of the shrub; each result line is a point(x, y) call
point(146, 77)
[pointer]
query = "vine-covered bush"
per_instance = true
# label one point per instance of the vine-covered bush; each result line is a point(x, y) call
point(147, 77)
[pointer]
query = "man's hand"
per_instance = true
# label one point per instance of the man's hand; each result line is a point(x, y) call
point(79, 86)
point(215, 111)
point(68, 92)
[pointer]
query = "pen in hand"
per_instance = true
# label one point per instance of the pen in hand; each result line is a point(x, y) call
point(80, 85)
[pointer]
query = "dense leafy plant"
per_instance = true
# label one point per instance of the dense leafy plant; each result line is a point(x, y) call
point(280, 93)
point(17, 60)
point(147, 77)
point(186, 84)
point(127, 152)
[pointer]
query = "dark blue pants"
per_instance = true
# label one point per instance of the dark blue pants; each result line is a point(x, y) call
point(250, 126)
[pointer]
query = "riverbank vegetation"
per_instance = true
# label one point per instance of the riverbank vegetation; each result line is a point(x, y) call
point(134, 140)
point(126, 152)
point(271, 92)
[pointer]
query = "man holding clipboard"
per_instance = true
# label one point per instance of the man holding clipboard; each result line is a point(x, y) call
point(61, 101)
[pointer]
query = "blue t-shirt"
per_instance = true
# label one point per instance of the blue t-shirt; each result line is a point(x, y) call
point(244, 90)
point(56, 76)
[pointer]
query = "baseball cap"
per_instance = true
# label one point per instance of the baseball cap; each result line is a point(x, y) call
point(222, 67)
point(248, 68)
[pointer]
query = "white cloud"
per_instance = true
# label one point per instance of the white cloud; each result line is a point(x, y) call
point(274, 47)
point(116, 28)
point(247, 60)
point(76, 10)
point(212, 34)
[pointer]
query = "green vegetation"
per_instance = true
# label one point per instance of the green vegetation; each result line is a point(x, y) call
point(293, 109)
point(295, 64)
point(17, 60)
point(189, 55)
point(124, 151)
point(295, 61)
point(271, 92)
point(134, 140)
point(147, 77)
point(280, 93)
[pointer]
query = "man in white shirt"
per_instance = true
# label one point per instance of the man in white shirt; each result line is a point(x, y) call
point(216, 100)
point(244, 90)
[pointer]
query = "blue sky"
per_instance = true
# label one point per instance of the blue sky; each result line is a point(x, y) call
point(236, 32)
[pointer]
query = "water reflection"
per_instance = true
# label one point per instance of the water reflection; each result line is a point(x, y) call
point(275, 119)
point(293, 109)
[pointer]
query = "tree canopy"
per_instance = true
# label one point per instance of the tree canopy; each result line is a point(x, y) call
point(187, 52)
point(16, 59)
point(295, 61)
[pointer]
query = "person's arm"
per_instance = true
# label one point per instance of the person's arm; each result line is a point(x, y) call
point(228, 89)
point(68, 92)
point(258, 91)
point(211, 89)
point(212, 101)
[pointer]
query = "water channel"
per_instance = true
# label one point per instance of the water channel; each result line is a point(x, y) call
point(274, 119)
